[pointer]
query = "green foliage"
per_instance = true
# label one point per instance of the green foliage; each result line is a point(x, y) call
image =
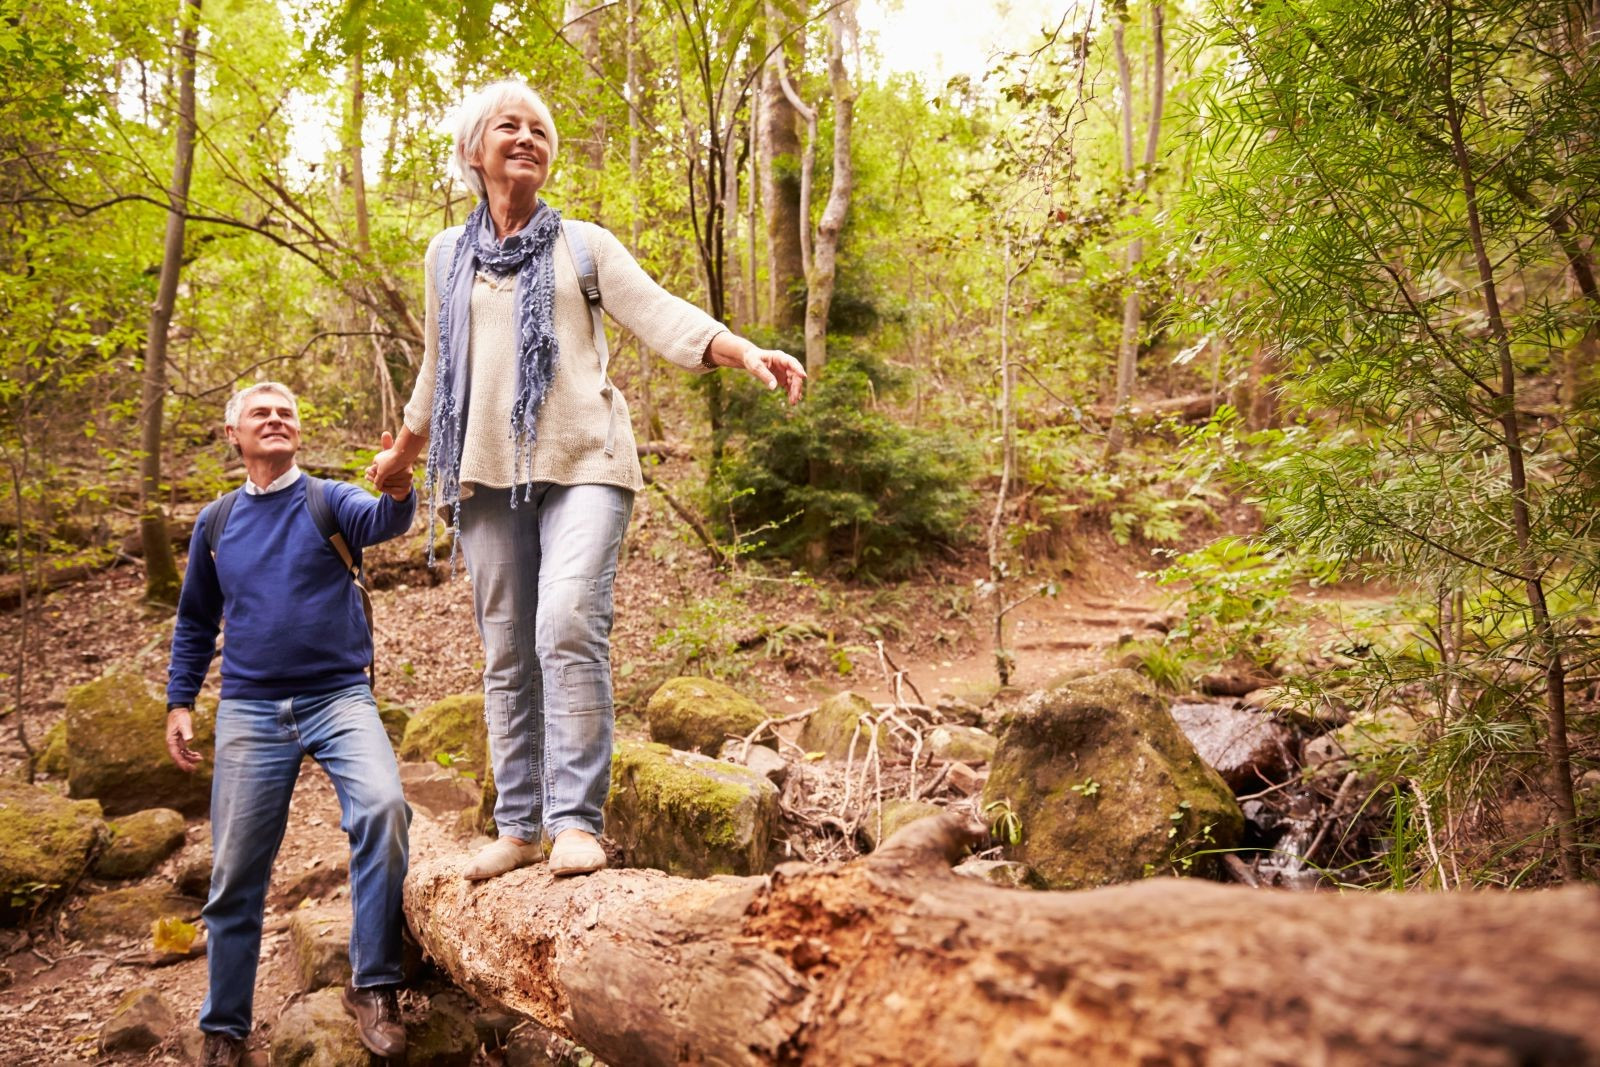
point(1005, 825)
point(886, 494)
point(1242, 600)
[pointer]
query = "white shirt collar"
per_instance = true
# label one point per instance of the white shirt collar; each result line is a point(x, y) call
point(283, 481)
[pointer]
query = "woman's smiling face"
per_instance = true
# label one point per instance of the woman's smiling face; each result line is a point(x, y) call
point(516, 149)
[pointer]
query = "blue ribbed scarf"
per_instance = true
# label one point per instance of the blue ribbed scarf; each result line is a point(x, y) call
point(528, 254)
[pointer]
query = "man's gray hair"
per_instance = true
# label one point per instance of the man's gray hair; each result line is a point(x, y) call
point(230, 415)
point(473, 118)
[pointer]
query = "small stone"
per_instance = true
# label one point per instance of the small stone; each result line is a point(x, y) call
point(960, 709)
point(1006, 873)
point(897, 814)
point(830, 728)
point(140, 1022)
point(52, 759)
point(139, 842)
point(129, 914)
point(767, 763)
point(193, 876)
point(699, 714)
point(321, 941)
point(966, 743)
point(394, 717)
point(436, 789)
point(965, 780)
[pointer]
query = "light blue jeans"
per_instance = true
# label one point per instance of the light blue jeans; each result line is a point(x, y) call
point(542, 574)
point(260, 746)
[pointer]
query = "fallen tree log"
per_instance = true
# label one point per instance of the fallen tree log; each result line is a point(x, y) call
point(893, 959)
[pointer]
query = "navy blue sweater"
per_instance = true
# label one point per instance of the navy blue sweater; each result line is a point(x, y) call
point(294, 618)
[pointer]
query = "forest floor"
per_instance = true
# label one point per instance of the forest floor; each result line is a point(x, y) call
point(788, 641)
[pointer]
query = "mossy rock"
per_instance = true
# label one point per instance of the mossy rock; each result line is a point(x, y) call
point(897, 814)
point(321, 940)
point(968, 744)
point(454, 727)
point(698, 714)
point(117, 749)
point(828, 730)
point(1106, 786)
point(52, 759)
point(689, 814)
point(128, 914)
point(316, 1031)
point(139, 842)
point(45, 844)
point(395, 717)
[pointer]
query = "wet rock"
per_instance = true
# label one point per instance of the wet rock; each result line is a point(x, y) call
point(454, 728)
point(139, 842)
point(316, 1031)
point(767, 763)
point(117, 750)
point(45, 843)
point(129, 914)
point(321, 942)
point(698, 714)
point(1006, 873)
point(436, 789)
point(53, 751)
point(140, 1022)
point(897, 814)
point(966, 743)
point(829, 729)
point(1247, 748)
point(689, 814)
point(1106, 787)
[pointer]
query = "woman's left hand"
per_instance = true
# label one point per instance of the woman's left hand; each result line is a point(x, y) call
point(773, 369)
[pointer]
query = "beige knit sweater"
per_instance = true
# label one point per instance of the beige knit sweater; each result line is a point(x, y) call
point(577, 414)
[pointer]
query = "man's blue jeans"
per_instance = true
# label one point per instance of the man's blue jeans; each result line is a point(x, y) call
point(260, 746)
point(542, 574)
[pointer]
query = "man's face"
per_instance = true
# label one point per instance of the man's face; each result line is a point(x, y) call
point(268, 428)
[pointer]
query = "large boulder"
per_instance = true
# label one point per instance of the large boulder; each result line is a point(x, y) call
point(129, 914)
point(117, 749)
point(689, 814)
point(698, 714)
point(1248, 748)
point(1104, 787)
point(45, 843)
point(453, 728)
point(139, 842)
point(829, 729)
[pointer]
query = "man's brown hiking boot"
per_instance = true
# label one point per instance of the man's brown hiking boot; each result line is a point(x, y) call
point(377, 1015)
point(222, 1050)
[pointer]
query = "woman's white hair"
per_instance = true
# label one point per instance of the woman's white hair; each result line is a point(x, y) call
point(473, 118)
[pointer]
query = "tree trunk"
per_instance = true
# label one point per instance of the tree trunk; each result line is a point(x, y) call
point(583, 30)
point(161, 569)
point(780, 147)
point(1128, 349)
point(894, 960)
point(825, 247)
point(647, 405)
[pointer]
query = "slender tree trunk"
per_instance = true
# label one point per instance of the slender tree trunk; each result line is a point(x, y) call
point(1003, 659)
point(583, 30)
point(753, 295)
point(1128, 349)
point(161, 569)
point(647, 405)
point(825, 248)
point(786, 225)
point(1557, 751)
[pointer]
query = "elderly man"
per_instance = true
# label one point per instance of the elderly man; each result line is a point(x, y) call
point(294, 683)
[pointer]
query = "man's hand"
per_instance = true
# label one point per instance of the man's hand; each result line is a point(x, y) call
point(390, 471)
point(180, 733)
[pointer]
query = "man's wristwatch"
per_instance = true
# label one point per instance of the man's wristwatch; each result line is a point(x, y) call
point(179, 707)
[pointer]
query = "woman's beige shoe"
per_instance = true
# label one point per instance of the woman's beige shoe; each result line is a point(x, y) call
point(501, 855)
point(576, 852)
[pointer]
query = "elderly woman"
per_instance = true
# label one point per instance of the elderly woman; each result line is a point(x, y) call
point(531, 455)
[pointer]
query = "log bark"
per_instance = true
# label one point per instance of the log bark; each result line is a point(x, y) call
point(893, 960)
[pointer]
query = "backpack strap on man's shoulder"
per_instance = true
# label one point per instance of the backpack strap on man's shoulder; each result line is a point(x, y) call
point(215, 516)
point(589, 282)
point(327, 524)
